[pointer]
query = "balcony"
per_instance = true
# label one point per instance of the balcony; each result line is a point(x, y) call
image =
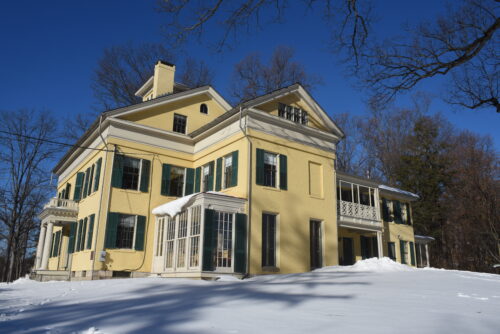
point(60, 210)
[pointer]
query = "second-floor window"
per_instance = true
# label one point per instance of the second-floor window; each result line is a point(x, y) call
point(271, 169)
point(228, 171)
point(130, 173)
point(180, 123)
point(206, 178)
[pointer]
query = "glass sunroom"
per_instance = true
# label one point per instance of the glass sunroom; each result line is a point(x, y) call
point(201, 235)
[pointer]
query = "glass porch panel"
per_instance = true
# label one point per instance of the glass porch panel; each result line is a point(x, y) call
point(194, 243)
point(224, 252)
point(170, 243)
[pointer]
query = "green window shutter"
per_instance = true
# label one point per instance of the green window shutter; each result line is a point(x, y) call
point(84, 232)
point(97, 175)
point(209, 241)
point(146, 166)
point(283, 173)
point(68, 190)
point(90, 232)
point(86, 183)
point(51, 253)
point(78, 187)
point(211, 176)
point(91, 180)
point(189, 181)
point(385, 210)
point(234, 176)
point(259, 164)
point(111, 229)
point(197, 180)
point(402, 251)
point(59, 242)
point(240, 244)
point(139, 233)
point(412, 253)
point(218, 175)
point(408, 216)
point(117, 176)
point(79, 235)
point(71, 241)
point(165, 179)
point(55, 241)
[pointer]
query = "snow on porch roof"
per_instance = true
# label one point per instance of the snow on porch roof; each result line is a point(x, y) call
point(175, 207)
point(399, 191)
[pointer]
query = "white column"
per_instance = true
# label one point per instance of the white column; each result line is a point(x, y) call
point(47, 245)
point(379, 244)
point(39, 248)
point(427, 264)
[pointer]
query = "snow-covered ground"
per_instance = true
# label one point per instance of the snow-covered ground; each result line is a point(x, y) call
point(373, 296)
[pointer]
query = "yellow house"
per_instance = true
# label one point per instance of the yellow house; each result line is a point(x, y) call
point(184, 185)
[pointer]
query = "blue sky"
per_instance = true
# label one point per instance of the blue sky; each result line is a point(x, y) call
point(49, 50)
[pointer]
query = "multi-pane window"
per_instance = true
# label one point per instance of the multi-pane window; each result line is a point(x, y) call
point(131, 173)
point(194, 253)
point(180, 123)
point(160, 235)
point(181, 239)
point(176, 186)
point(270, 169)
point(170, 243)
point(224, 253)
point(206, 177)
point(293, 114)
point(125, 231)
point(268, 240)
point(228, 170)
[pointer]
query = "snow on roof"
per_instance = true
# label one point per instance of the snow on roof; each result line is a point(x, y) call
point(396, 190)
point(175, 207)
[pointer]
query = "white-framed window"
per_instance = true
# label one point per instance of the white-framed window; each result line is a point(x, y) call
point(177, 181)
point(270, 169)
point(160, 234)
point(180, 122)
point(269, 223)
point(225, 230)
point(293, 114)
point(206, 171)
point(194, 244)
point(170, 243)
point(228, 171)
point(125, 233)
point(182, 233)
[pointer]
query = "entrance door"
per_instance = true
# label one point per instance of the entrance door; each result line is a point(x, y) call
point(347, 252)
point(316, 245)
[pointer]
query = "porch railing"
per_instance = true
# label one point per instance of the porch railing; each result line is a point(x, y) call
point(55, 202)
point(356, 210)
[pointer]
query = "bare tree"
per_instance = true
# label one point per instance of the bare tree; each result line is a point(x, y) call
point(452, 42)
point(350, 155)
point(24, 157)
point(252, 77)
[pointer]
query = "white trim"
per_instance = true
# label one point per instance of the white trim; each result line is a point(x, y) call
point(146, 87)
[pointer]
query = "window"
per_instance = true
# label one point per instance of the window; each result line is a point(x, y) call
point(224, 253)
point(194, 253)
point(160, 235)
point(170, 238)
point(181, 239)
point(228, 171)
point(293, 114)
point(203, 108)
point(125, 231)
point(268, 240)
point(270, 169)
point(392, 250)
point(130, 173)
point(180, 123)
point(207, 177)
point(403, 251)
point(177, 181)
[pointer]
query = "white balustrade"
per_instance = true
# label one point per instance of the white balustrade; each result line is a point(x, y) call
point(356, 210)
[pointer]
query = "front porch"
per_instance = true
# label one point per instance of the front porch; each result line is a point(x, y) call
point(203, 235)
point(57, 212)
point(356, 245)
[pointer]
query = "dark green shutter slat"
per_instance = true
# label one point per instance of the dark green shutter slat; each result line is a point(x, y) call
point(189, 181)
point(397, 212)
point(71, 241)
point(97, 175)
point(165, 179)
point(91, 180)
point(402, 251)
point(283, 172)
point(117, 176)
point(234, 176)
point(259, 164)
point(412, 254)
point(197, 180)
point(139, 233)
point(79, 235)
point(111, 229)
point(78, 186)
point(211, 176)
point(208, 241)
point(90, 232)
point(218, 175)
point(51, 253)
point(68, 190)
point(146, 166)
point(240, 244)
point(84, 232)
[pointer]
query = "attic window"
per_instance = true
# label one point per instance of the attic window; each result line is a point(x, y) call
point(293, 114)
point(203, 108)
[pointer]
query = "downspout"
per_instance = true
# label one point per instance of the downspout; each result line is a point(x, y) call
point(98, 220)
point(249, 186)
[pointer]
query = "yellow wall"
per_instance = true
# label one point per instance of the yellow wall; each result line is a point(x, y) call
point(162, 117)
point(294, 207)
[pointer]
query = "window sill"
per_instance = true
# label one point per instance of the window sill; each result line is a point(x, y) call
point(317, 197)
point(271, 269)
point(130, 190)
point(122, 250)
point(271, 188)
